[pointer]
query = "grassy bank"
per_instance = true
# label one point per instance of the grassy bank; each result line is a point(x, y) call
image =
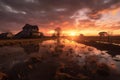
point(92, 41)
point(22, 41)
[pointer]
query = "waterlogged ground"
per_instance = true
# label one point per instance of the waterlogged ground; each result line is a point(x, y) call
point(57, 60)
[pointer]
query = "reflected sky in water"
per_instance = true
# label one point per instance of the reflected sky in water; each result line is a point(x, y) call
point(55, 53)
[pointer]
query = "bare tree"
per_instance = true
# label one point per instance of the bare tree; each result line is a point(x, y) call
point(58, 32)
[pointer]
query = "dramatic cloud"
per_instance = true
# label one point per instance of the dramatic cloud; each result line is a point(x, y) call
point(51, 13)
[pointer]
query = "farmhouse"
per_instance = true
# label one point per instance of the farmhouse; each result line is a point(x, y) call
point(29, 31)
point(6, 35)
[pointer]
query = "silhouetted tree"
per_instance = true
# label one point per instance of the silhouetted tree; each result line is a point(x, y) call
point(104, 34)
point(58, 32)
point(81, 36)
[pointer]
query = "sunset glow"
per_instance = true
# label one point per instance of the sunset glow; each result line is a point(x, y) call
point(86, 18)
point(70, 33)
point(73, 34)
point(51, 32)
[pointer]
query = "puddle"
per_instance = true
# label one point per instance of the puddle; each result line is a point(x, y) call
point(57, 60)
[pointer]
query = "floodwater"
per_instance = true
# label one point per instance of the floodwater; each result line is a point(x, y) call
point(59, 59)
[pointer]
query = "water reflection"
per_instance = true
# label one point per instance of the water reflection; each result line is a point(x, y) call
point(59, 59)
point(31, 47)
point(11, 55)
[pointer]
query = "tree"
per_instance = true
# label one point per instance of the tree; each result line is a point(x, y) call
point(81, 35)
point(58, 32)
point(103, 34)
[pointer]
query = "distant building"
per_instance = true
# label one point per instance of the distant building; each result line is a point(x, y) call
point(29, 31)
point(6, 35)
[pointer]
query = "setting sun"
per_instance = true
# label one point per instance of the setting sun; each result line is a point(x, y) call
point(51, 32)
point(73, 33)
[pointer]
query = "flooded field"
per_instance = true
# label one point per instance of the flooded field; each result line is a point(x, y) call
point(59, 59)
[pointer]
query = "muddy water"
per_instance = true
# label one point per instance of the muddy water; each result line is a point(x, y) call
point(57, 60)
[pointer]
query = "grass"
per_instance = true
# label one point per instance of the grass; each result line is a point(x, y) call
point(21, 41)
point(113, 39)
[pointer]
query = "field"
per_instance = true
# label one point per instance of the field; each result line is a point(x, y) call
point(5, 42)
point(112, 39)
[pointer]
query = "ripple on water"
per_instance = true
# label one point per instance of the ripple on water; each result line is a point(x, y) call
point(56, 52)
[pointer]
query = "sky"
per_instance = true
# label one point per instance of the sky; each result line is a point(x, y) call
point(88, 17)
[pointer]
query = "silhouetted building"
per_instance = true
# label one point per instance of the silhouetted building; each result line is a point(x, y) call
point(29, 31)
point(6, 35)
